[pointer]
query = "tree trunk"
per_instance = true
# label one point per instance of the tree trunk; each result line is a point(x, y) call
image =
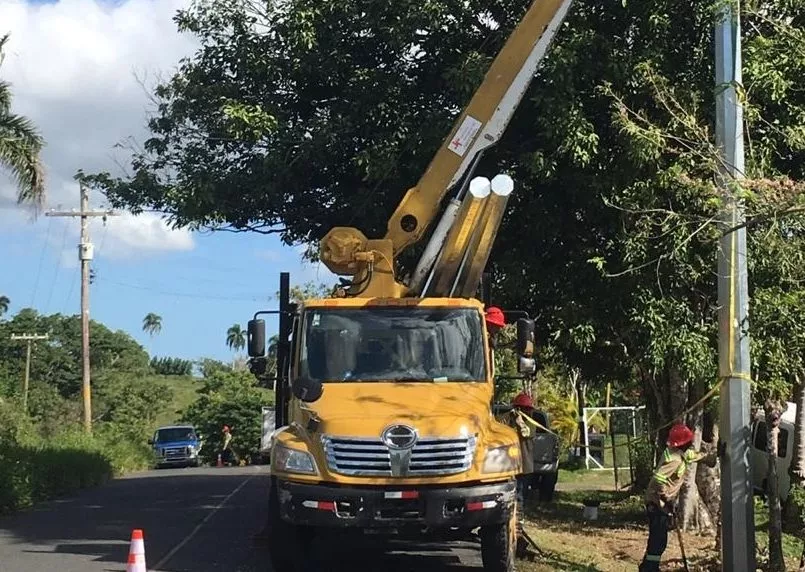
point(773, 411)
point(694, 512)
point(797, 468)
point(688, 511)
point(709, 481)
point(793, 512)
point(581, 401)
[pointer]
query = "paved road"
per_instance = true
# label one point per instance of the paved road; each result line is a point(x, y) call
point(194, 520)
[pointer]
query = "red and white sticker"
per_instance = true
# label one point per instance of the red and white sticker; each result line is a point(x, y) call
point(464, 136)
point(402, 495)
point(319, 505)
point(481, 505)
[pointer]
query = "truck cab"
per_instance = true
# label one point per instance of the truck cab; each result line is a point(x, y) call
point(388, 427)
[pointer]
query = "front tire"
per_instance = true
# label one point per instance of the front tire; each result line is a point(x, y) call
point(547, 486)
point(499, 544)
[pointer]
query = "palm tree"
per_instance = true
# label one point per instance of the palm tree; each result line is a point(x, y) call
point(236, 337)
point(20, 145)
point(4, 303)
point(152, 324)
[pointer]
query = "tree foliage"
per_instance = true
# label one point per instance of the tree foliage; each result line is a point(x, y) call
point(323, 114)
point(20, 147)
point(171, 366)
point(230, 398)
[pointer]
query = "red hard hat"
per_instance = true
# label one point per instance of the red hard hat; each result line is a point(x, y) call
point(679, 435)
point(494, 316)
point(523, 400)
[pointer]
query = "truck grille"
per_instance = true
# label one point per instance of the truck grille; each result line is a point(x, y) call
point(175, 452)
point(370, 457)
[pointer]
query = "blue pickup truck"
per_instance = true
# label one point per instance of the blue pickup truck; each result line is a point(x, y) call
point(176, 445)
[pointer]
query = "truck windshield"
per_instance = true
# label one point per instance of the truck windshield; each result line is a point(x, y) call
point(175, 434)
point(393, 344)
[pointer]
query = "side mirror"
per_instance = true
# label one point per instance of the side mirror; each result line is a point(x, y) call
point(150, 441)
point(526, 366)
point(257, 338)
point(308, 390)
point(526, 339)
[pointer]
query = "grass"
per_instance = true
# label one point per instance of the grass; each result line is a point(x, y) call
point(185, 390)
point(616, 541)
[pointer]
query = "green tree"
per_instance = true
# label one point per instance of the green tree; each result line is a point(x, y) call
point(152, 324)
point(228, 398)
point(236, 337)
point(20, 147)
point(611, 236)
point(4, 304)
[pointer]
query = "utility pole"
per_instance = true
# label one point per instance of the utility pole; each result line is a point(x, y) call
point(85, 254)
point(29, 338)
point(737, 510)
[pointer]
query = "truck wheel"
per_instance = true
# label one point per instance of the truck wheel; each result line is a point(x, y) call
point(287, 544)
point(499, 544)
point(547, 486)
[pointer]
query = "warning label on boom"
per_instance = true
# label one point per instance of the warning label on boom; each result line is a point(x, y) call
point(464, 136)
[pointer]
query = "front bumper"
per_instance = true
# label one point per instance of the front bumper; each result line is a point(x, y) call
point(396, 507)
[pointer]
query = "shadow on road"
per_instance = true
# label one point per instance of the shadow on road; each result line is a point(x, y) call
point(196, 519)
point(166, 505)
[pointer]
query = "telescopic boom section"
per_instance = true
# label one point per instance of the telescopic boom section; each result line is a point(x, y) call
point(347, 251)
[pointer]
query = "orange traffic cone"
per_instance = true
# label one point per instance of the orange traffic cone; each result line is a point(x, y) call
point(220, 461)
point(136, 552)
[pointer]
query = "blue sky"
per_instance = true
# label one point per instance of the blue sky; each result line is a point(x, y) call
point(77, 68)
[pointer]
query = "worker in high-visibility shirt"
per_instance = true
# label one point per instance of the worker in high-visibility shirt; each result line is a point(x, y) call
point(520, 419)
point(664, 488)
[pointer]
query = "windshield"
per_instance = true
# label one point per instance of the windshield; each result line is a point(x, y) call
point(393, 344)
point(175, 434)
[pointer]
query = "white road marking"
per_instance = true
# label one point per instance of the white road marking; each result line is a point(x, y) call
point(199, 526)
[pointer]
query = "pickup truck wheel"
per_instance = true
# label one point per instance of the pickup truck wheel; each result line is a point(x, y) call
point(499, 544)
point(287, 544)
point(547, 486)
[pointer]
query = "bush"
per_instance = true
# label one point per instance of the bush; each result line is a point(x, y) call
point(34, 469)
point(643, 463)
point(229, 398)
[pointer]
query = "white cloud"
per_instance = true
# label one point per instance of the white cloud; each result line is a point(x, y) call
point(76, 68)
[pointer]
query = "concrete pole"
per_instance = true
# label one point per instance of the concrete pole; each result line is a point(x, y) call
point(737, 510)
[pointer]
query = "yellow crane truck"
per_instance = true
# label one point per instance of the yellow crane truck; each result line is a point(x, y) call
point(384, 421)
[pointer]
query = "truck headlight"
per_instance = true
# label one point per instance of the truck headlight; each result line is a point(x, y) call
point(294, 461)
point(501, 459)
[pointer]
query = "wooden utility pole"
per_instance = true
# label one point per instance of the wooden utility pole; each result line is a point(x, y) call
point(85, 254)
point(29, 338)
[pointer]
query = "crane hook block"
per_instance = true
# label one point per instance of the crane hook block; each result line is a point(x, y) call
point(340, 250)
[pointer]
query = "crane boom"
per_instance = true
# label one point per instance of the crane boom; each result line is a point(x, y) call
point(347, 251)
point(483, 121)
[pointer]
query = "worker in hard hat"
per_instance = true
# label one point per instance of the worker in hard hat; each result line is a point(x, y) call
point(495, 321)
point(227, 453)
point(520, 418)
point(664, 488)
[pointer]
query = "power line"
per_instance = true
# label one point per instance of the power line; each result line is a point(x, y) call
point(218, 298)
point(58, 267)
point(41, 260)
